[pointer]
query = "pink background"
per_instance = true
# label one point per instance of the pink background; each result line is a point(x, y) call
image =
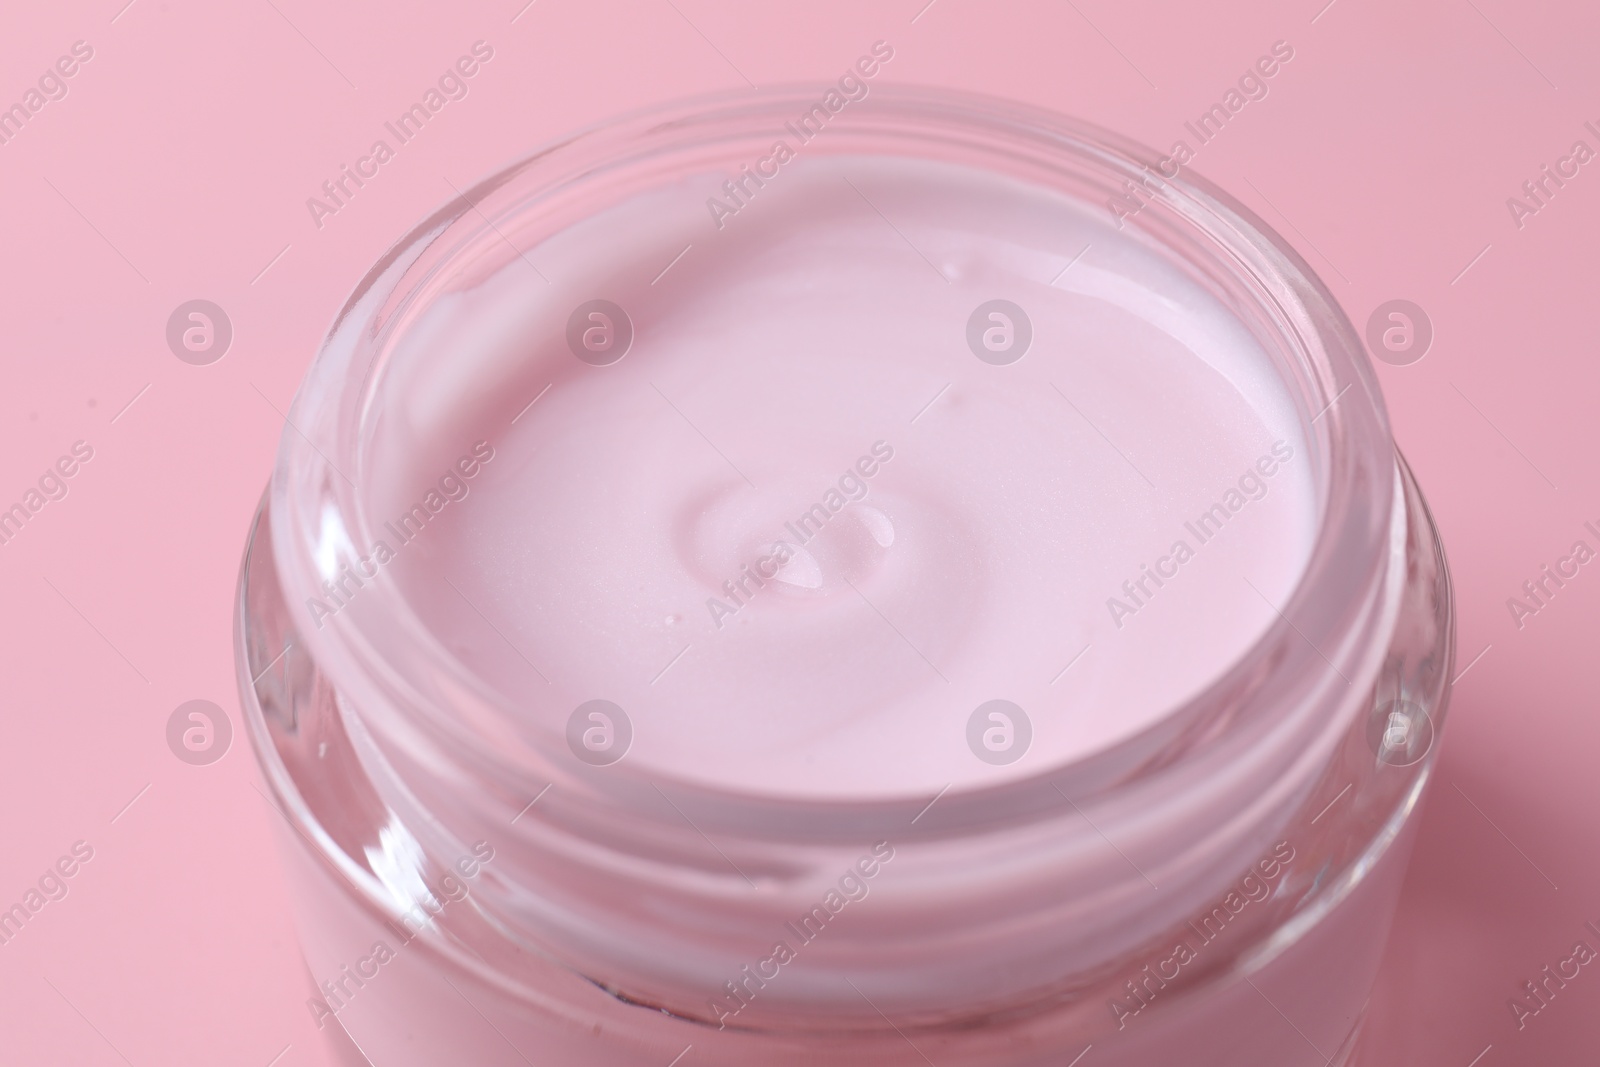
point(178, 167)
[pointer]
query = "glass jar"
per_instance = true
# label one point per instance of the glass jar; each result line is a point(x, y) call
point(860, 817)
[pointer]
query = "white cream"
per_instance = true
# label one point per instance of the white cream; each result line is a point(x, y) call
point(987, 554)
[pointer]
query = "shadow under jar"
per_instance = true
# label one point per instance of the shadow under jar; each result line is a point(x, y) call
point(740, 589)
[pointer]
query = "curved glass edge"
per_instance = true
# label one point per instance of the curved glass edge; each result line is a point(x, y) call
point(1318, 324)
point(291, 714)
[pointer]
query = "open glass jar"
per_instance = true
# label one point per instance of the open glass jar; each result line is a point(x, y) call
point(852, 576)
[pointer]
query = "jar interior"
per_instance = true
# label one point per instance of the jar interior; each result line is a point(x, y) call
point(893, 440)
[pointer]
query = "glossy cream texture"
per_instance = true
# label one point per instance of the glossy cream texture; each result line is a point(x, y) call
point(1029, 532)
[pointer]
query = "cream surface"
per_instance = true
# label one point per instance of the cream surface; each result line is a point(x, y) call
point(801, 531)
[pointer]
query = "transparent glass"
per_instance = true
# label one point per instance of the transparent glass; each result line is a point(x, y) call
point(1216, 885)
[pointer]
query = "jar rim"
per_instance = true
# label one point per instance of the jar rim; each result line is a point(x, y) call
point(411, 689)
